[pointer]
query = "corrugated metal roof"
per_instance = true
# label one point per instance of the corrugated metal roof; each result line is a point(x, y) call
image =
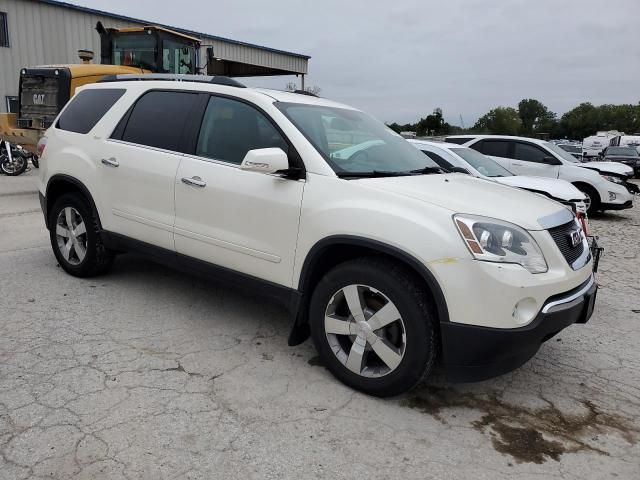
point(182, 30)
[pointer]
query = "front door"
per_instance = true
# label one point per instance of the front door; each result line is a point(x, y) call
point(529, 159)
point(241, 220)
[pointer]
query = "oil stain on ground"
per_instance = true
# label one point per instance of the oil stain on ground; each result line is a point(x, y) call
point(532, 435)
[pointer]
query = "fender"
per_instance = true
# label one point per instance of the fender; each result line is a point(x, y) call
point(75, 182)
point(300, 329)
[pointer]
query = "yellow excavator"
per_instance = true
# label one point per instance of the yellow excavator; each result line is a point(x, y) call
point(44, 90)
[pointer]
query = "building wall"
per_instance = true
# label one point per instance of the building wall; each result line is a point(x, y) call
point(41, 34)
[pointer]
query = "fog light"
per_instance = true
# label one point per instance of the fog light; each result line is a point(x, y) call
point(612, 196)
point(525, 310)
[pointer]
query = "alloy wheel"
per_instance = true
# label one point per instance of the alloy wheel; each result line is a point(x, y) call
point(71, 235)
point(365, 331)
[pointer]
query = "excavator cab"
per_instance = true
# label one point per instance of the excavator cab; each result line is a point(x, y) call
point(151, 48)
point(44, 90)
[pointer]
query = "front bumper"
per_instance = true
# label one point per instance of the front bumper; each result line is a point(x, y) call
point(617, 206)
point(473, 353)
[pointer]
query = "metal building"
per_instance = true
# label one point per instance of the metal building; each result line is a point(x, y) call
point(44, 32)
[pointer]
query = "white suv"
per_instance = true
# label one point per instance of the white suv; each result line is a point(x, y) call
point(384, 261)
point(605, 184)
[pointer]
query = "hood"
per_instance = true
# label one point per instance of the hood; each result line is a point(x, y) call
point(462, 193)
point(622, 158)
point(555, 188)
point(609, 167)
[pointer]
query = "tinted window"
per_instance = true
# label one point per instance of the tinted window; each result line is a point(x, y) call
point(158, 118)
point(87, 108)
point(12, 104)
point(458, 140)
point(4, 30)
point(231, 128)
point(495, 148)
point(438, 159)
point(529, 153)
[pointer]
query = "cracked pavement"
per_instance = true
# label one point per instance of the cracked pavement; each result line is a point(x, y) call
point(149, 373)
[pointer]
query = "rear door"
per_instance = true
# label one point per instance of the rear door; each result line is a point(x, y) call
point(138, 167)
point(241, 220)
point(529, 159)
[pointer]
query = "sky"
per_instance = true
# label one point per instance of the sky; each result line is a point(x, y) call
point(400, 60)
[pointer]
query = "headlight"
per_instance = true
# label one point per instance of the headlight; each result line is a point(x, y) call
point(492, 240)
point(612, 179)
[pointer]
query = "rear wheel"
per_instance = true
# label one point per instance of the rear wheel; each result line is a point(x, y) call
point(73, 230)
point(374, 326)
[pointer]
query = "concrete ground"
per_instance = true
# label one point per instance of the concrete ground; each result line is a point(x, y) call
point(148, 373)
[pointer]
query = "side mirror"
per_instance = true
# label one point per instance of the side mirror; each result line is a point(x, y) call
point(459, 170)
point(265, 160)
point(550, 161)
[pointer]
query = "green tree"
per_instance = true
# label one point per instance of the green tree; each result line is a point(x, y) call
point(535, 117)
point(499, 121)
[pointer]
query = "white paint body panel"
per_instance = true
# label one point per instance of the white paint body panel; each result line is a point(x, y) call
point(569, 171)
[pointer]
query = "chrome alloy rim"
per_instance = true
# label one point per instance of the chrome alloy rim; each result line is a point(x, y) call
point(71, 235)
point(587, 201)
point(365, 331)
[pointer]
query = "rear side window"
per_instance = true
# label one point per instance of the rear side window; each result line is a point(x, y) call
point(231, 128)
point(158, 119)
point(529, 153)
point(87, 108)
point(493, 148)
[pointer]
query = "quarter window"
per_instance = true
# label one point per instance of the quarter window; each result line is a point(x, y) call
point(438, 159)
point(4, 30)
point(529, 153)
point(158, 118)
point(87, 108)
point(231, 128)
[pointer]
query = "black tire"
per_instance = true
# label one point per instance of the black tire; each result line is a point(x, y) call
point(401, 287)
point(592, 193)
point(97, 259)
point(18, 167)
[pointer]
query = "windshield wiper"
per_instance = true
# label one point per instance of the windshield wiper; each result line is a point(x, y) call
point(372, 174)
point(427, 170)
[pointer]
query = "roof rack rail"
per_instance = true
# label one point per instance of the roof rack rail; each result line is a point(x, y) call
point(306, 92)
point(217, 79)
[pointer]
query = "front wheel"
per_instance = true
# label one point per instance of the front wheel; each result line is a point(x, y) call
point(374, 326)
point(592, 202)
point(16, 166)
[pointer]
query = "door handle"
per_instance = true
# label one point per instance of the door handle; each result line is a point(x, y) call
point(517, 164)
point(110, 162)
point(194, 182)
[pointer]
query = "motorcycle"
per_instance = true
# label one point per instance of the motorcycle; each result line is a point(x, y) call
point(14, 159)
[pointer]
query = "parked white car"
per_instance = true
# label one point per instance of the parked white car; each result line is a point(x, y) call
point(605, 184)
point(451, 156)
point(382, 259)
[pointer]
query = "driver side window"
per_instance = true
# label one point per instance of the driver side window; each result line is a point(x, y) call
point(231, 128)
point(529, 153)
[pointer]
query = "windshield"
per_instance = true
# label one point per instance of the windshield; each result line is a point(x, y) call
point(353, 142)
point(622, 151)
point(135, 50)
point(571, 148)
point(561, 153)
point(482, 163)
